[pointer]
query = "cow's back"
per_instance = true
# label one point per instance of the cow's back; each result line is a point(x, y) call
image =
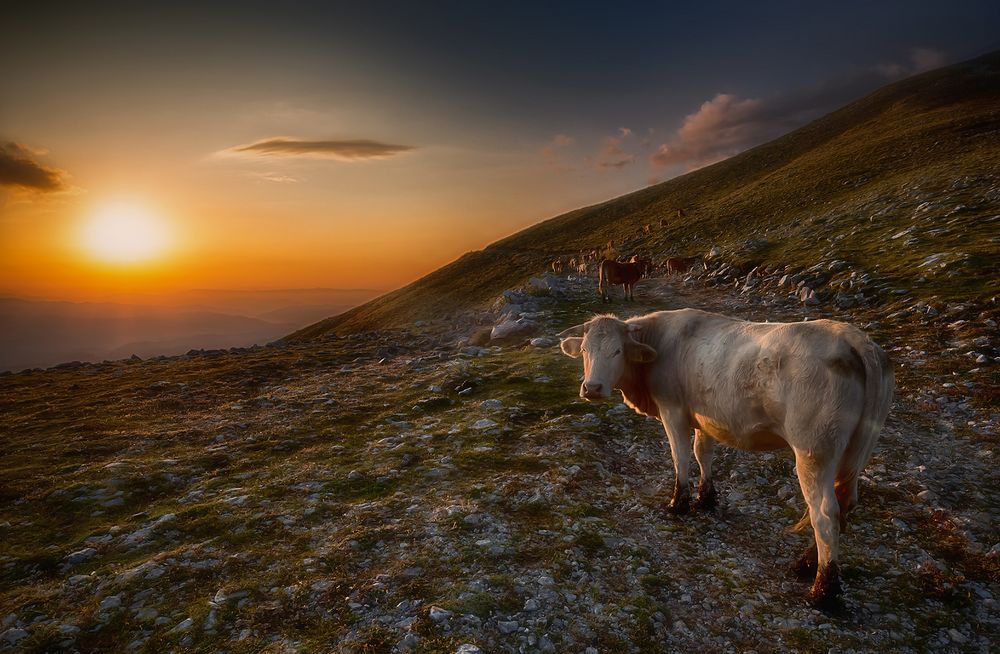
point(745, 380)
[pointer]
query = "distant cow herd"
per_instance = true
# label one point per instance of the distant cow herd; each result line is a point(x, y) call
point(613, 272)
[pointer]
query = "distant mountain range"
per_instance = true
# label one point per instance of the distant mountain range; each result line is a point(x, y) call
point(41, 333)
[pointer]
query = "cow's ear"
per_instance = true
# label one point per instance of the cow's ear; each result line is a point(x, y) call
point(639, 352)
point(578, 330)
point(571, 346)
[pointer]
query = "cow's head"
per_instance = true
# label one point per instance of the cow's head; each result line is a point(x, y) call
point(608, 348)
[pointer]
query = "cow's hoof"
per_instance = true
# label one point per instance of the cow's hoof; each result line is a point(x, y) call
point(832, 604)
point(826, 591)
point(707, 500)
point(679, 506)
point(805, 566)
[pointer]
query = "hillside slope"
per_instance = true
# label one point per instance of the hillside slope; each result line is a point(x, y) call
point(919, 156)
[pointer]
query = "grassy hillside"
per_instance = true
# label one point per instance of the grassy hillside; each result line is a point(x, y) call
point(919, 155)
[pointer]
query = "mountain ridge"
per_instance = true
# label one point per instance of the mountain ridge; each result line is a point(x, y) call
point(902, 145)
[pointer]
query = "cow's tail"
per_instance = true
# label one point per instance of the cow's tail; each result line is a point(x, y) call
point(803, 522)
point(880, 382)
point(879, 386)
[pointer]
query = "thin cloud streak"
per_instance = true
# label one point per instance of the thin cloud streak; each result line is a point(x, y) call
point(343, 150)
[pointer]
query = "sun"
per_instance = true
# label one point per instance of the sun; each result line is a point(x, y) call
point(125, 233)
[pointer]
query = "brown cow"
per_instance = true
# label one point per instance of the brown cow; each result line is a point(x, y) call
point(627, 274)
point(680, 264)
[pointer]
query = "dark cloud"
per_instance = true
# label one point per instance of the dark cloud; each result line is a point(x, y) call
point(346, 150)
point(728, 124)
point(19, 168)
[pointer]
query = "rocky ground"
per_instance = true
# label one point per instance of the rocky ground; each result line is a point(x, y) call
point(411, 491)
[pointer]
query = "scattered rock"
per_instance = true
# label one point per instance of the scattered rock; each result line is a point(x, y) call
point(508, 626)
point(13, 636)
point(81, 556)
point(111, 603)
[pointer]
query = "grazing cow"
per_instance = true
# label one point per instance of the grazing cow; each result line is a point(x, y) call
point(821, 388)
point(615, 272)
point(680, 264)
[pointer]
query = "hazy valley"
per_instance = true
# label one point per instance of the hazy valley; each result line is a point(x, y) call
point(40, 334)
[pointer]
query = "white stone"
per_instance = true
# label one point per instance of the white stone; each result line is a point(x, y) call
point(437, 614)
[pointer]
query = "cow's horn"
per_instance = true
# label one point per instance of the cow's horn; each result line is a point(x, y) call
point(578, 330)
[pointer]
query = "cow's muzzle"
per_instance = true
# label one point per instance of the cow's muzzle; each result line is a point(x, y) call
point(594, 391)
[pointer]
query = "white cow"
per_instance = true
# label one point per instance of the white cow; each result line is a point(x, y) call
point(822, 388)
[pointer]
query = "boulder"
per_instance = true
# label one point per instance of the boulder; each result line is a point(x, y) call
point(512, 331)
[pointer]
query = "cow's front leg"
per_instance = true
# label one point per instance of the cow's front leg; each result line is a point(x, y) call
point(679, 436)
point(704, 450)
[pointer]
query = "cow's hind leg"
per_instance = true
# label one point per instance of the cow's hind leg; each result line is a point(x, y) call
point(704, 449)
point(816, 481)
point(846, 490)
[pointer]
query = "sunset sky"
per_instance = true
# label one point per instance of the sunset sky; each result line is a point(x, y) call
point(292, 145)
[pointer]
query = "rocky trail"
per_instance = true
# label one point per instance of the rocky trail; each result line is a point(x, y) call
point(408, 491)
